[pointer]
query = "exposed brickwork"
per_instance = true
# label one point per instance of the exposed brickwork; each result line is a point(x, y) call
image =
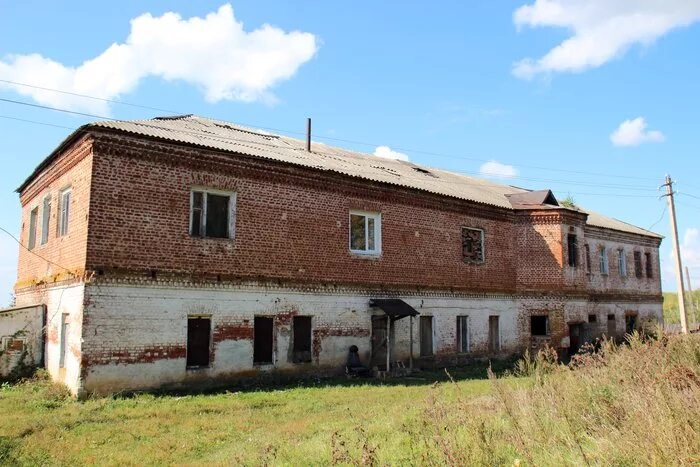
point(129, 226)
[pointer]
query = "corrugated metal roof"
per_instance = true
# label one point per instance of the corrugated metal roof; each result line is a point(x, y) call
point(225, 136)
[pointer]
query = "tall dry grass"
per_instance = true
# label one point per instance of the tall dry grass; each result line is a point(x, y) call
point(634, 404)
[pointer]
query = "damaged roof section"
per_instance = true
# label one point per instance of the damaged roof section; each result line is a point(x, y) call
point(236, 139)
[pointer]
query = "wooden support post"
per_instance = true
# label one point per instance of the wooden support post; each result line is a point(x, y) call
point(388, 343)
point(410, 333)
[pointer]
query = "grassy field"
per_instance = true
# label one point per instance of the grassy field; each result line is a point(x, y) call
point(671, 307)
point(633, 405)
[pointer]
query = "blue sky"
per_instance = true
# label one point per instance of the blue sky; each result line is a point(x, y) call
point(595, 99)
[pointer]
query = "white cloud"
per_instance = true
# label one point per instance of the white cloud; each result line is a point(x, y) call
point(387, 153)
point(601, 30)
point(634, 132)
point(495, 169)
point(213, 53)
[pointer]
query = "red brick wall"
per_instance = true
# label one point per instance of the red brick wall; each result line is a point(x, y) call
point(288, 224)
point(72, 168)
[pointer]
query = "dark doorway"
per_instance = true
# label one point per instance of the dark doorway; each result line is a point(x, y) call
point(198, 335)
point(426, 336)
point(612, 326)
point(301, 345)
point(494, 334)
point(379, 342)
point(262, 340)
point(630, 323)
point(575, 336)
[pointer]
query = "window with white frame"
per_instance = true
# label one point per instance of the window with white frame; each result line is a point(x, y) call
point(365, 232)
point(622, 262)
point(45, 219)
point(212, 213)
point(64, 199)
point(33, 217)
point(603, 260)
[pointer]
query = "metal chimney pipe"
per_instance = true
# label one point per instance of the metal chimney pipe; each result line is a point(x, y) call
point(308, 134)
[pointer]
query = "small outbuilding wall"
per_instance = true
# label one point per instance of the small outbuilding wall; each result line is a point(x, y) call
point(21, 340)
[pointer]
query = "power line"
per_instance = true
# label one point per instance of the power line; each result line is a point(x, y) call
point(364, 143)
point(35, 253)
point(34, 121)
point(663, 213)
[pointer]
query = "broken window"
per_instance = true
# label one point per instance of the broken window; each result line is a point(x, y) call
point(539, 325)
point(211, 214)
point(622, 262)
point(64, 199)
point(603, 260)
point(262, 339)
point(630, 323)
point(649, 265)
point(301, 340)
point(494, 334)
point(426, 336)
point(638, 264)
point(365, 232)
point(572, 249)
point(472, 245)
point(463, 334)
point(587, 250)
point(33, 217)
point(45, 219)
point(198, 341)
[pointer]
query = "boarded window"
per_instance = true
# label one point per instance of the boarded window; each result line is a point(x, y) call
point(572, 248)
point(262, 339)
point(45, 219)
point(211, 214)
point(638, 264)
point(539, 325)
point(472, 245)
point(65, 327)
point(198, 341)
point(426, 336)
point(494, 334)
point(463, 334)
point(301, 345)
point(588, 258)
point(33, 218)
point(64, 199)
point(365, 232)
point(649, 265)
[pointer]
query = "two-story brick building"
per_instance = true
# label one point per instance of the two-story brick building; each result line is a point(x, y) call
point(184, 250)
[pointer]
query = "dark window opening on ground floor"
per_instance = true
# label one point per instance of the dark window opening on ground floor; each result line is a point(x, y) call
point(630, 323)
point(426, 336)
point(301, 339)
point(592, 318)
point(198, 341)
point(262, 339)
point(539, 325)
point(494, 334)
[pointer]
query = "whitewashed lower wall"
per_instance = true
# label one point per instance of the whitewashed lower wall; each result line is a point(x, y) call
point(61, 300)
point(21, 338)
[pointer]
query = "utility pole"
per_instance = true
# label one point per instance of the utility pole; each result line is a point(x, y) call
point(676, 248)
point(693, 305)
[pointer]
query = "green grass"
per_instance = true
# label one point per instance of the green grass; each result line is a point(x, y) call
point(671, 315)
point(637, 404)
